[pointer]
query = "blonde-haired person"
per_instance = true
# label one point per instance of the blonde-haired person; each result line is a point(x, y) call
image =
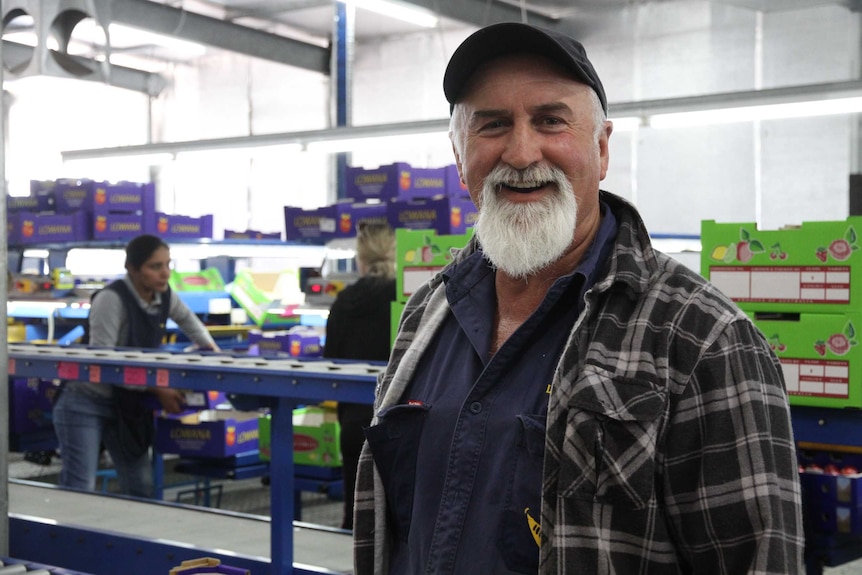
point(359, 328)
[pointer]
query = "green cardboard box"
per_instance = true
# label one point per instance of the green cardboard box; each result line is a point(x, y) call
point(316, 434)
point(420, 254)
point(820, 356)
point(815, 267)
point(206, 280)
point(268, 298)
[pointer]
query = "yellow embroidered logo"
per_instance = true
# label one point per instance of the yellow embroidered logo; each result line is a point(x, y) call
point(535, 528)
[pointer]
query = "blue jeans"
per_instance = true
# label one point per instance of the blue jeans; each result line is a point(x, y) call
point(83, 422)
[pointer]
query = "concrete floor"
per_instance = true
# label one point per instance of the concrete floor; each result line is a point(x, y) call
point(251, 496)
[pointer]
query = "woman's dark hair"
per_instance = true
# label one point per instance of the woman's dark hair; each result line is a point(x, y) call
point(140, 249)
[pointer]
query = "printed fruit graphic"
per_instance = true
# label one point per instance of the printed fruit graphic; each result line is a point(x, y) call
point(230, 436)
point(213, 395)
point(840, 249)
point(838, 344)
point(410, 256)
point(718, 252)
point(101, 223)
point(455, 217)
point(294, 348)
point(345, 224)
point(776, 253)
point(743, 252)
point(427, 254)
point(775, 343)
point(100, 196)
point(163, 225)
point(27, 228)
point(404, 181)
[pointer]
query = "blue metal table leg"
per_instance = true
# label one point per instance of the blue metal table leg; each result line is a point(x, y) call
point(281, 487)
point(158, 475)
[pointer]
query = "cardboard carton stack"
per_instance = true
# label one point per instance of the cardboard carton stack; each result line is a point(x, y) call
point(398, 194)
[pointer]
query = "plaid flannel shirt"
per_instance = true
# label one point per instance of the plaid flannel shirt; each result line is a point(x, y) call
point(669, 448)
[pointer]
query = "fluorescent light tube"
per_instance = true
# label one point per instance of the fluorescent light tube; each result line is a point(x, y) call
point(751, 113)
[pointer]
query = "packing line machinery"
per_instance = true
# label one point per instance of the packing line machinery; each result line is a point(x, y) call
point(280, 384)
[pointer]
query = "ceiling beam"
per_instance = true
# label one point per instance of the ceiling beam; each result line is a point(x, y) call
point(218, 33)
point(17, 55)
point(481, 13)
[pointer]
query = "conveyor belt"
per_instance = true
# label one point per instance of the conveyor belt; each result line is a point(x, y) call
point(284, 384)
point(205, 529)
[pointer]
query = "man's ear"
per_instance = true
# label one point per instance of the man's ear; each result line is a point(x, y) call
point(458, 164)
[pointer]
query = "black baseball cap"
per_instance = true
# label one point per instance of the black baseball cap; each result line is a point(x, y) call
point(515, 38)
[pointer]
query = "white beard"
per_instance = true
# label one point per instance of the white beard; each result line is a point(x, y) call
point(522, 239)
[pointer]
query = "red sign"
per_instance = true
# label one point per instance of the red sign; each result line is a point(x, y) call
point(68, 370)
point(163, 378)
point(134, 375)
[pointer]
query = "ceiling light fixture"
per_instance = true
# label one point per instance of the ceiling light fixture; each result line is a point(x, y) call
point(791, 102)
point(751, 113)
point(398, 10)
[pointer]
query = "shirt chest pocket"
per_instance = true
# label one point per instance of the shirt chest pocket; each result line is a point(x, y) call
point(609, 449)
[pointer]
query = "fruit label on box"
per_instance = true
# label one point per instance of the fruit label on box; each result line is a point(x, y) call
point(784, 284)
point(798, 269)
point(820, 356)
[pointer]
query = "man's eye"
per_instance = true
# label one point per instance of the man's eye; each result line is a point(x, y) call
point(492, 125)
point(551, 121)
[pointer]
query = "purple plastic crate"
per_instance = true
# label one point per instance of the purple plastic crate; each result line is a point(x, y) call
point(30, 403)
point(172, 226)
point(445, 215)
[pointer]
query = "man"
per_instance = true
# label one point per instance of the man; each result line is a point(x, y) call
point(562, 398)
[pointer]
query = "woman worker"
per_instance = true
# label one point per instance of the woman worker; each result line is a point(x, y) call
point(129, 312)
point(359, 328)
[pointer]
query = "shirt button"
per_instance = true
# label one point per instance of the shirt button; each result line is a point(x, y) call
point(475, 407)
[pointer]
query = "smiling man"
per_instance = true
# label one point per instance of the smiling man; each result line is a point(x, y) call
point(563, 398)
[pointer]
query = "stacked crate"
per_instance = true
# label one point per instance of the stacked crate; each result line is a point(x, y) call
point(802, 287)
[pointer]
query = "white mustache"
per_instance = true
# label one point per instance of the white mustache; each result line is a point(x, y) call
point(530, 177)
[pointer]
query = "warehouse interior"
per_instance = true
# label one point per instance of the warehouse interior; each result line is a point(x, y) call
point(724, 110)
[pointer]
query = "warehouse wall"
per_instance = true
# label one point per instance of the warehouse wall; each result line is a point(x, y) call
point(774, 172)
point(226, 95)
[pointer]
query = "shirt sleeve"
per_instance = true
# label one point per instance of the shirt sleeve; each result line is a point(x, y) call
point(107, 318)
point(731, 481)
point(188, 322)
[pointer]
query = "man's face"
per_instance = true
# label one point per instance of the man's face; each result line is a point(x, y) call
point(524, 115)
point(154, 274)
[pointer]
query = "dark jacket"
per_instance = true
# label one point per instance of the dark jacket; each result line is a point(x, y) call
point(359, 323)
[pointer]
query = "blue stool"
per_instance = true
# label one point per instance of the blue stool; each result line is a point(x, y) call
point(106, 475)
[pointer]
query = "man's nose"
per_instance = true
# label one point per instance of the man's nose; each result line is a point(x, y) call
point(523, 147)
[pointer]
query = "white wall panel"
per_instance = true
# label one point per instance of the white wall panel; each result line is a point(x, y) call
point(227, 96)
point(688, 175)
point(805, 170)
point(810, 46)
point(400, 79)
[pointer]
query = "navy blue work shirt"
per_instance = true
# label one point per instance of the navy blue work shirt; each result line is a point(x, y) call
point(465, 490)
